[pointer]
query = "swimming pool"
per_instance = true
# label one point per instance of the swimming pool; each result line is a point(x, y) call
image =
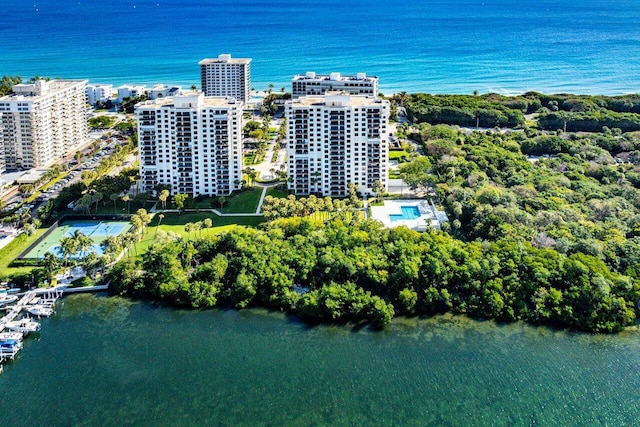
point(408, 212)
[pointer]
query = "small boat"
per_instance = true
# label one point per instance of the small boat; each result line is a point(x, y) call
point(9, 348)
point(7, 299)
point(25, 326)
point(40, 310)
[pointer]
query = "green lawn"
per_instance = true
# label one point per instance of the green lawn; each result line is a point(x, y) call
point(278, 194)
point(399, 155)
point(106, 208)
point(15, 248)
point(245, 201)
point(175, 223)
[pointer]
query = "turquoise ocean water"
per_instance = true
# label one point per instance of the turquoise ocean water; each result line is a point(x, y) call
point(437, 46)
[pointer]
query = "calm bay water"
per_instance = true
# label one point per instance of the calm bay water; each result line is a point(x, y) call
point(109, 361)
point(437, 46)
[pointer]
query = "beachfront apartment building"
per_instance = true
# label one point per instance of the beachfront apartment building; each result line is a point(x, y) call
point(130, 91)
point(43, 122)
point(226, 76)
point(192, 143)
point(318, 84)
point(99, 93)
point(334, 140)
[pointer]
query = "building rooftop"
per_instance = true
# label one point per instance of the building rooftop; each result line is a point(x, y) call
point(190, 99)
point(224, 58)
point(311, 75)
point(336, 99)
point(39, 88)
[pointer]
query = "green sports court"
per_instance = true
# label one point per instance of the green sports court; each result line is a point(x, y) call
point(97, 230)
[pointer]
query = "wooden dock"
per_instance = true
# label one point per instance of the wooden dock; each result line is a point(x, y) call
point(15, 310)
point(49, 294)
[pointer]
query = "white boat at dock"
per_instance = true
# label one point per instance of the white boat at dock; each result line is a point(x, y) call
point(9, 348)
point(24, 326)
point(7, 299)
point(40, 310)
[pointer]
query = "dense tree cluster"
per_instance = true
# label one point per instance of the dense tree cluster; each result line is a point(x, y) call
point(353, 269)
point(562, 111)
point(7, 83)
point(581, 201)
point(101, 122)
point(462, 110)
point(589, 121)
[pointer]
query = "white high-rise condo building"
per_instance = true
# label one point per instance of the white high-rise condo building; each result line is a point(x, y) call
point(43, 122)
point(225, 76)
point(335, 140)
point(318, 84)
point(192, 143)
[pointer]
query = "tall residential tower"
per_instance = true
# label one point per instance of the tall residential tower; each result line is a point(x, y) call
point(43, 122)
point(226, 77)
point(335, 140)
point(192, 143)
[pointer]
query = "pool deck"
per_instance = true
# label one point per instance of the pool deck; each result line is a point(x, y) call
point(429, 215)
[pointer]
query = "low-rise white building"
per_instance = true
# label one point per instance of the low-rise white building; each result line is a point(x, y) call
point(192, 143)
point(99, 93)
point(318, 84)
point(130, 91)
point(335, 140)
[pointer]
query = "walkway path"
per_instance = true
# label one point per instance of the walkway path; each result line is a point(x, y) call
point(264, 193)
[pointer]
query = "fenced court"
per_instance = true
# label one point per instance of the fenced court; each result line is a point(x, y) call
point(97, 230)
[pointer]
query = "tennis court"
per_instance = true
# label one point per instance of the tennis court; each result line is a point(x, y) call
point(97, 230)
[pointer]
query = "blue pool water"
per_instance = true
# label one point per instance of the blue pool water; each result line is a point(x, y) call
point(408, 212)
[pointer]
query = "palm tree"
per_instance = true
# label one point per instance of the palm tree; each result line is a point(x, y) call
point(90, 262)
point(85, 203)
point(251, 174)
point(96, 198)
point(111, 245)
point(51, 264)
point(145, 218)
point(114, 198)
point(180, 199)
point(188, 227)
point(164, 195)
point(222, 201)
point(126, 199)
point(208, 223)
point(67, 248)
point(137, 223)
point(128, 240)
point(197, 227)
point(160, 218)
point(82, 242)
